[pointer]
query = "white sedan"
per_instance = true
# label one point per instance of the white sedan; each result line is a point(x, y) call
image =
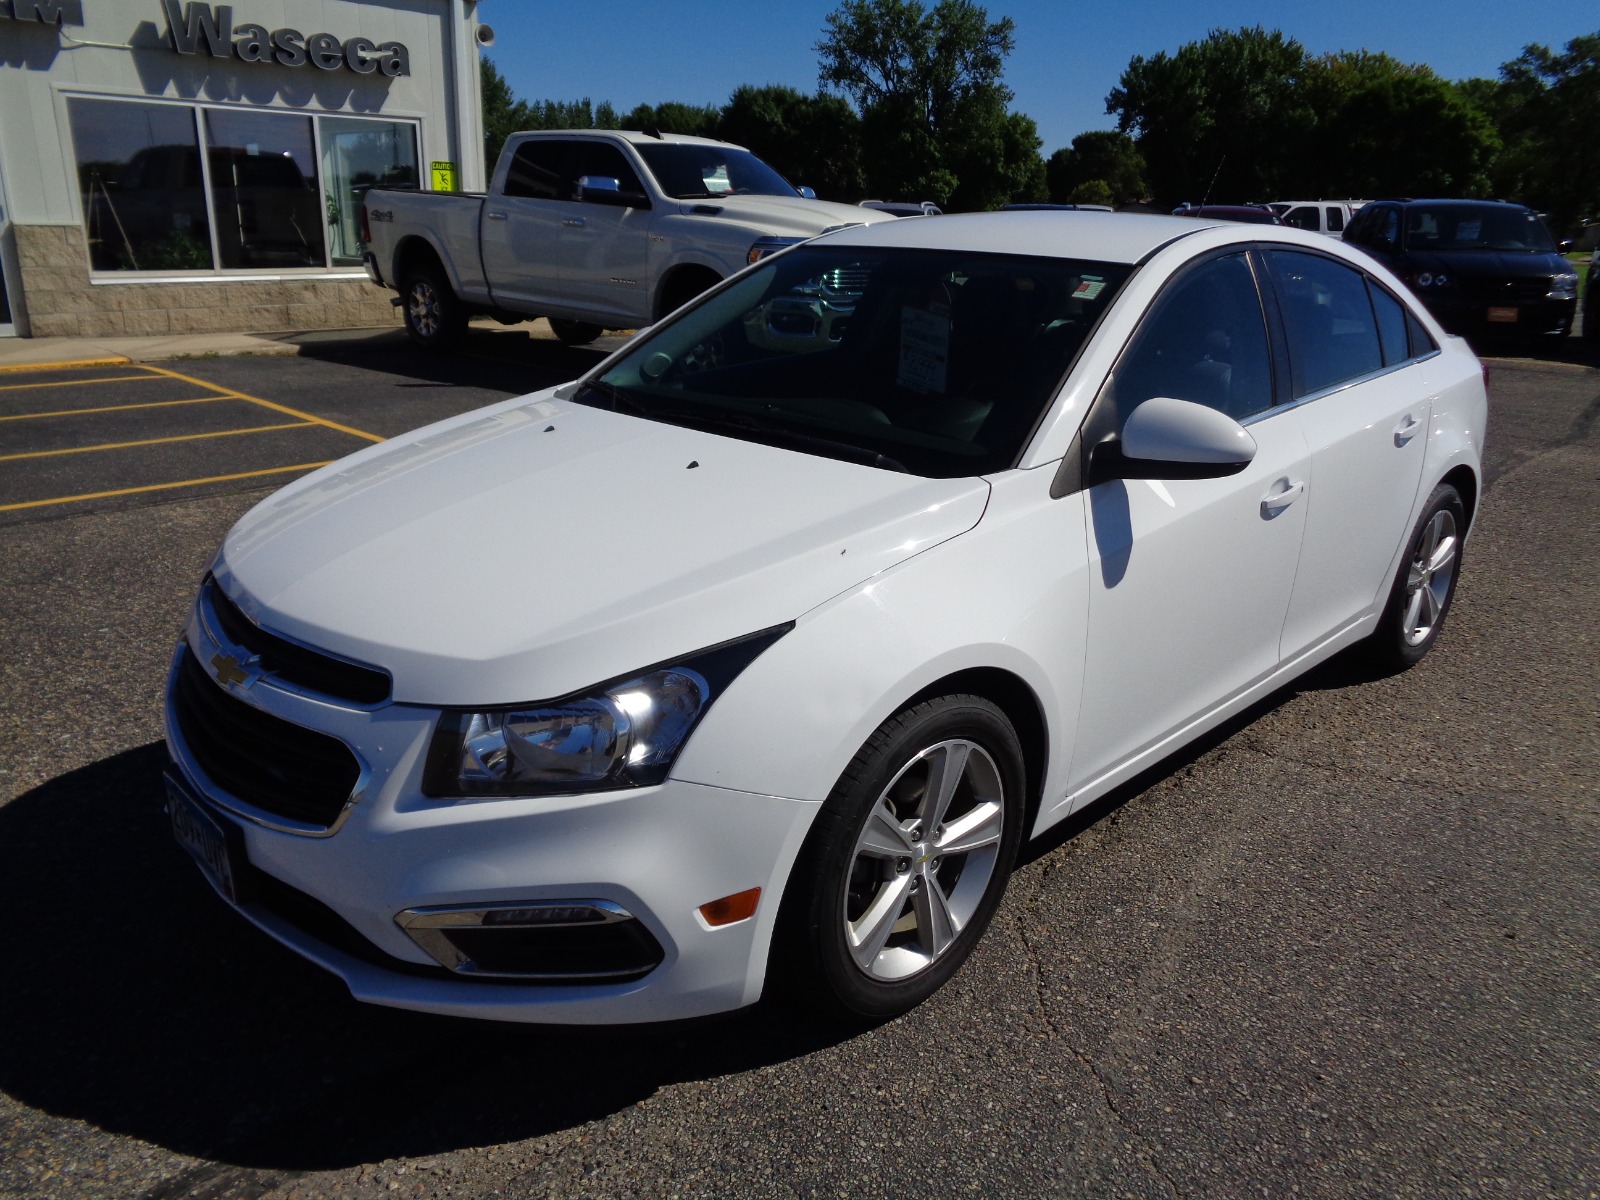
point(749, 660)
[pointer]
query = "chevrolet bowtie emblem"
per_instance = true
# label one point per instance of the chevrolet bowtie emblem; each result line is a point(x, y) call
point(230, 671)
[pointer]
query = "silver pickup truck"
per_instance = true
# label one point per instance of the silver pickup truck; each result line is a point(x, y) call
point(593, 229)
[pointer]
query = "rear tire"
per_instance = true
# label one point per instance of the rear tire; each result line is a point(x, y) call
point(574, 333)
point(1420, 599)
point(906, 862)
point(435, 317)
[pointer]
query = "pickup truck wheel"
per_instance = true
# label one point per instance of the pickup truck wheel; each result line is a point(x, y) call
point(434, 317)
point(575, 333)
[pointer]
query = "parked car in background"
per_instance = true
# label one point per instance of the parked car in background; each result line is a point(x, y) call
point(1250, 214)
point(1042, 207)
point(1482, 267)
point(746, 664)
point(904, 208)
point(1317, 216)
point(594, 229)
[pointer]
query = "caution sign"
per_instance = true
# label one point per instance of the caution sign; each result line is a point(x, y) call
point(444, 176)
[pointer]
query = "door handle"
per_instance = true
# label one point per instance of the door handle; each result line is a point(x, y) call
point(1274, 503)
point(495, 216)
point(573, 222)
point(1406, 430)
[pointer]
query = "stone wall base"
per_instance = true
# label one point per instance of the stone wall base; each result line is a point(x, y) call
point(61, 302)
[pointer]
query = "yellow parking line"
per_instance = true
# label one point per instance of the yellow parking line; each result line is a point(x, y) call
point(19, 368)
point(293, 412)
point(74, 412)
point(160, 487)
point(186, 437)
point(24, 387)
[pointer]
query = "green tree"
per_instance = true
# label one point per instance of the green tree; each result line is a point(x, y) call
point(1388, 128)
point(1214, 119)
point(1102, 156)
point(810, 140)
point(935, 120)
point(697, 120)
point(503, 113)
point(1546, 107)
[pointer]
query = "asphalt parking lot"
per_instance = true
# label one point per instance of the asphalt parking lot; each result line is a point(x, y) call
point(1347, 947)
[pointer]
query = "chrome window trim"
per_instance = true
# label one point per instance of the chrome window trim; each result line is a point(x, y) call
point(207, 788)
point(1301, 401)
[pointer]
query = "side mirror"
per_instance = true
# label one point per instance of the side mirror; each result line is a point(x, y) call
point(1165, 438)
point(806, 192)
point(603, 189)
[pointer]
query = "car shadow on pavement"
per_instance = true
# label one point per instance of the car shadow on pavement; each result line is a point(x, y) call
point(138, 1002)
point(508, 359)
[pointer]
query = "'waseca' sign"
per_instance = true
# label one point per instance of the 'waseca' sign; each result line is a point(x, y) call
point(198, 28)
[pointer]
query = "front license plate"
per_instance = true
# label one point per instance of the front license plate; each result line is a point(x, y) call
point(1503, 316)
point(202, 836)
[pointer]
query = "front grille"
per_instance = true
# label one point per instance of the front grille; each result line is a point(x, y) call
point(291, 662)
point(268, 763)
point(1506, 291)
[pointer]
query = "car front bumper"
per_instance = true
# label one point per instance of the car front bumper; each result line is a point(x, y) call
point(657, 854)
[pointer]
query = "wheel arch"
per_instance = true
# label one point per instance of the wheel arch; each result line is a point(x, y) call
point(1465, 481)
point(416, 250)
point(1011, 694)
point(673, 292)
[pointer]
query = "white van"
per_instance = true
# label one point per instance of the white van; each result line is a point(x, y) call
point(1317, 216)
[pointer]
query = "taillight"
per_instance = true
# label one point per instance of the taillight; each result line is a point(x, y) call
point(366, 229)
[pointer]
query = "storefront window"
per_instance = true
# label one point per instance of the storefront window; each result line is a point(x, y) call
point(144, 201)
point(265, 202)
point(271, 206)
point(357, 155)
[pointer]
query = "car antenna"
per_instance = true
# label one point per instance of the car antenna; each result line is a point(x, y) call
point(655, 133)
point(1206, 199)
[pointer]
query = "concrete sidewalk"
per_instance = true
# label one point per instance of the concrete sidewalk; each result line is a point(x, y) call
point(26, 352)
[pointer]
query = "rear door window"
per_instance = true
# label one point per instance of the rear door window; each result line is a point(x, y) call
point(1328, 317)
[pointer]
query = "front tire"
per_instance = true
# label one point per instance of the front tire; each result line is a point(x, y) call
point(907, 860)
point(574, 333)
point(1420, 598)
point(435, 317)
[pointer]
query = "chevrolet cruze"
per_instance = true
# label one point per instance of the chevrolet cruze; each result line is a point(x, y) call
point(751, 658)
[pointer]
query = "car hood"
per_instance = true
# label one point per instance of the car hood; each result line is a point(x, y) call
point(1488, 264)
point(780, 216)
point(531, 549)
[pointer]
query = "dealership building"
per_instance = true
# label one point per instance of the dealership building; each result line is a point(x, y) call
point(170, 166)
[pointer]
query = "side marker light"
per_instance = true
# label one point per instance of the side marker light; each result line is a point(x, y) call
point(729, 910)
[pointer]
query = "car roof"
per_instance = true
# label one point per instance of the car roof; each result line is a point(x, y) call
point(1095, 236)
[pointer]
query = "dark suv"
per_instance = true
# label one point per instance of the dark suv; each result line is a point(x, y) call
point(1481, 266)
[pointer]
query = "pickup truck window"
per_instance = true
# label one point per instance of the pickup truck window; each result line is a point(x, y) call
point(934, 362)
point(549, 169)
point(542, 170)
point(686, 171)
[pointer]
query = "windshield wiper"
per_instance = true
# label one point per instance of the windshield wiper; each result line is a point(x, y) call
point(620, 400)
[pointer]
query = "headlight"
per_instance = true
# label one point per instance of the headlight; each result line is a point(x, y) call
point(616, 735)
point(1564, 287)
point(770, 245)
point(1433, 280)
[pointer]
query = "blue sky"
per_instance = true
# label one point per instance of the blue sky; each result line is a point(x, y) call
point(1069, 55)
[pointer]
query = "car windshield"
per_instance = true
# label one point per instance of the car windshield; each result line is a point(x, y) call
point(935, 362)
point(688, 171)
point(1477, 227)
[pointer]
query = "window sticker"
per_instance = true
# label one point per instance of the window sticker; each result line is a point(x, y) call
point(1089, 287)
point(1469, 231)
point(924, 348)
point(716, 179)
